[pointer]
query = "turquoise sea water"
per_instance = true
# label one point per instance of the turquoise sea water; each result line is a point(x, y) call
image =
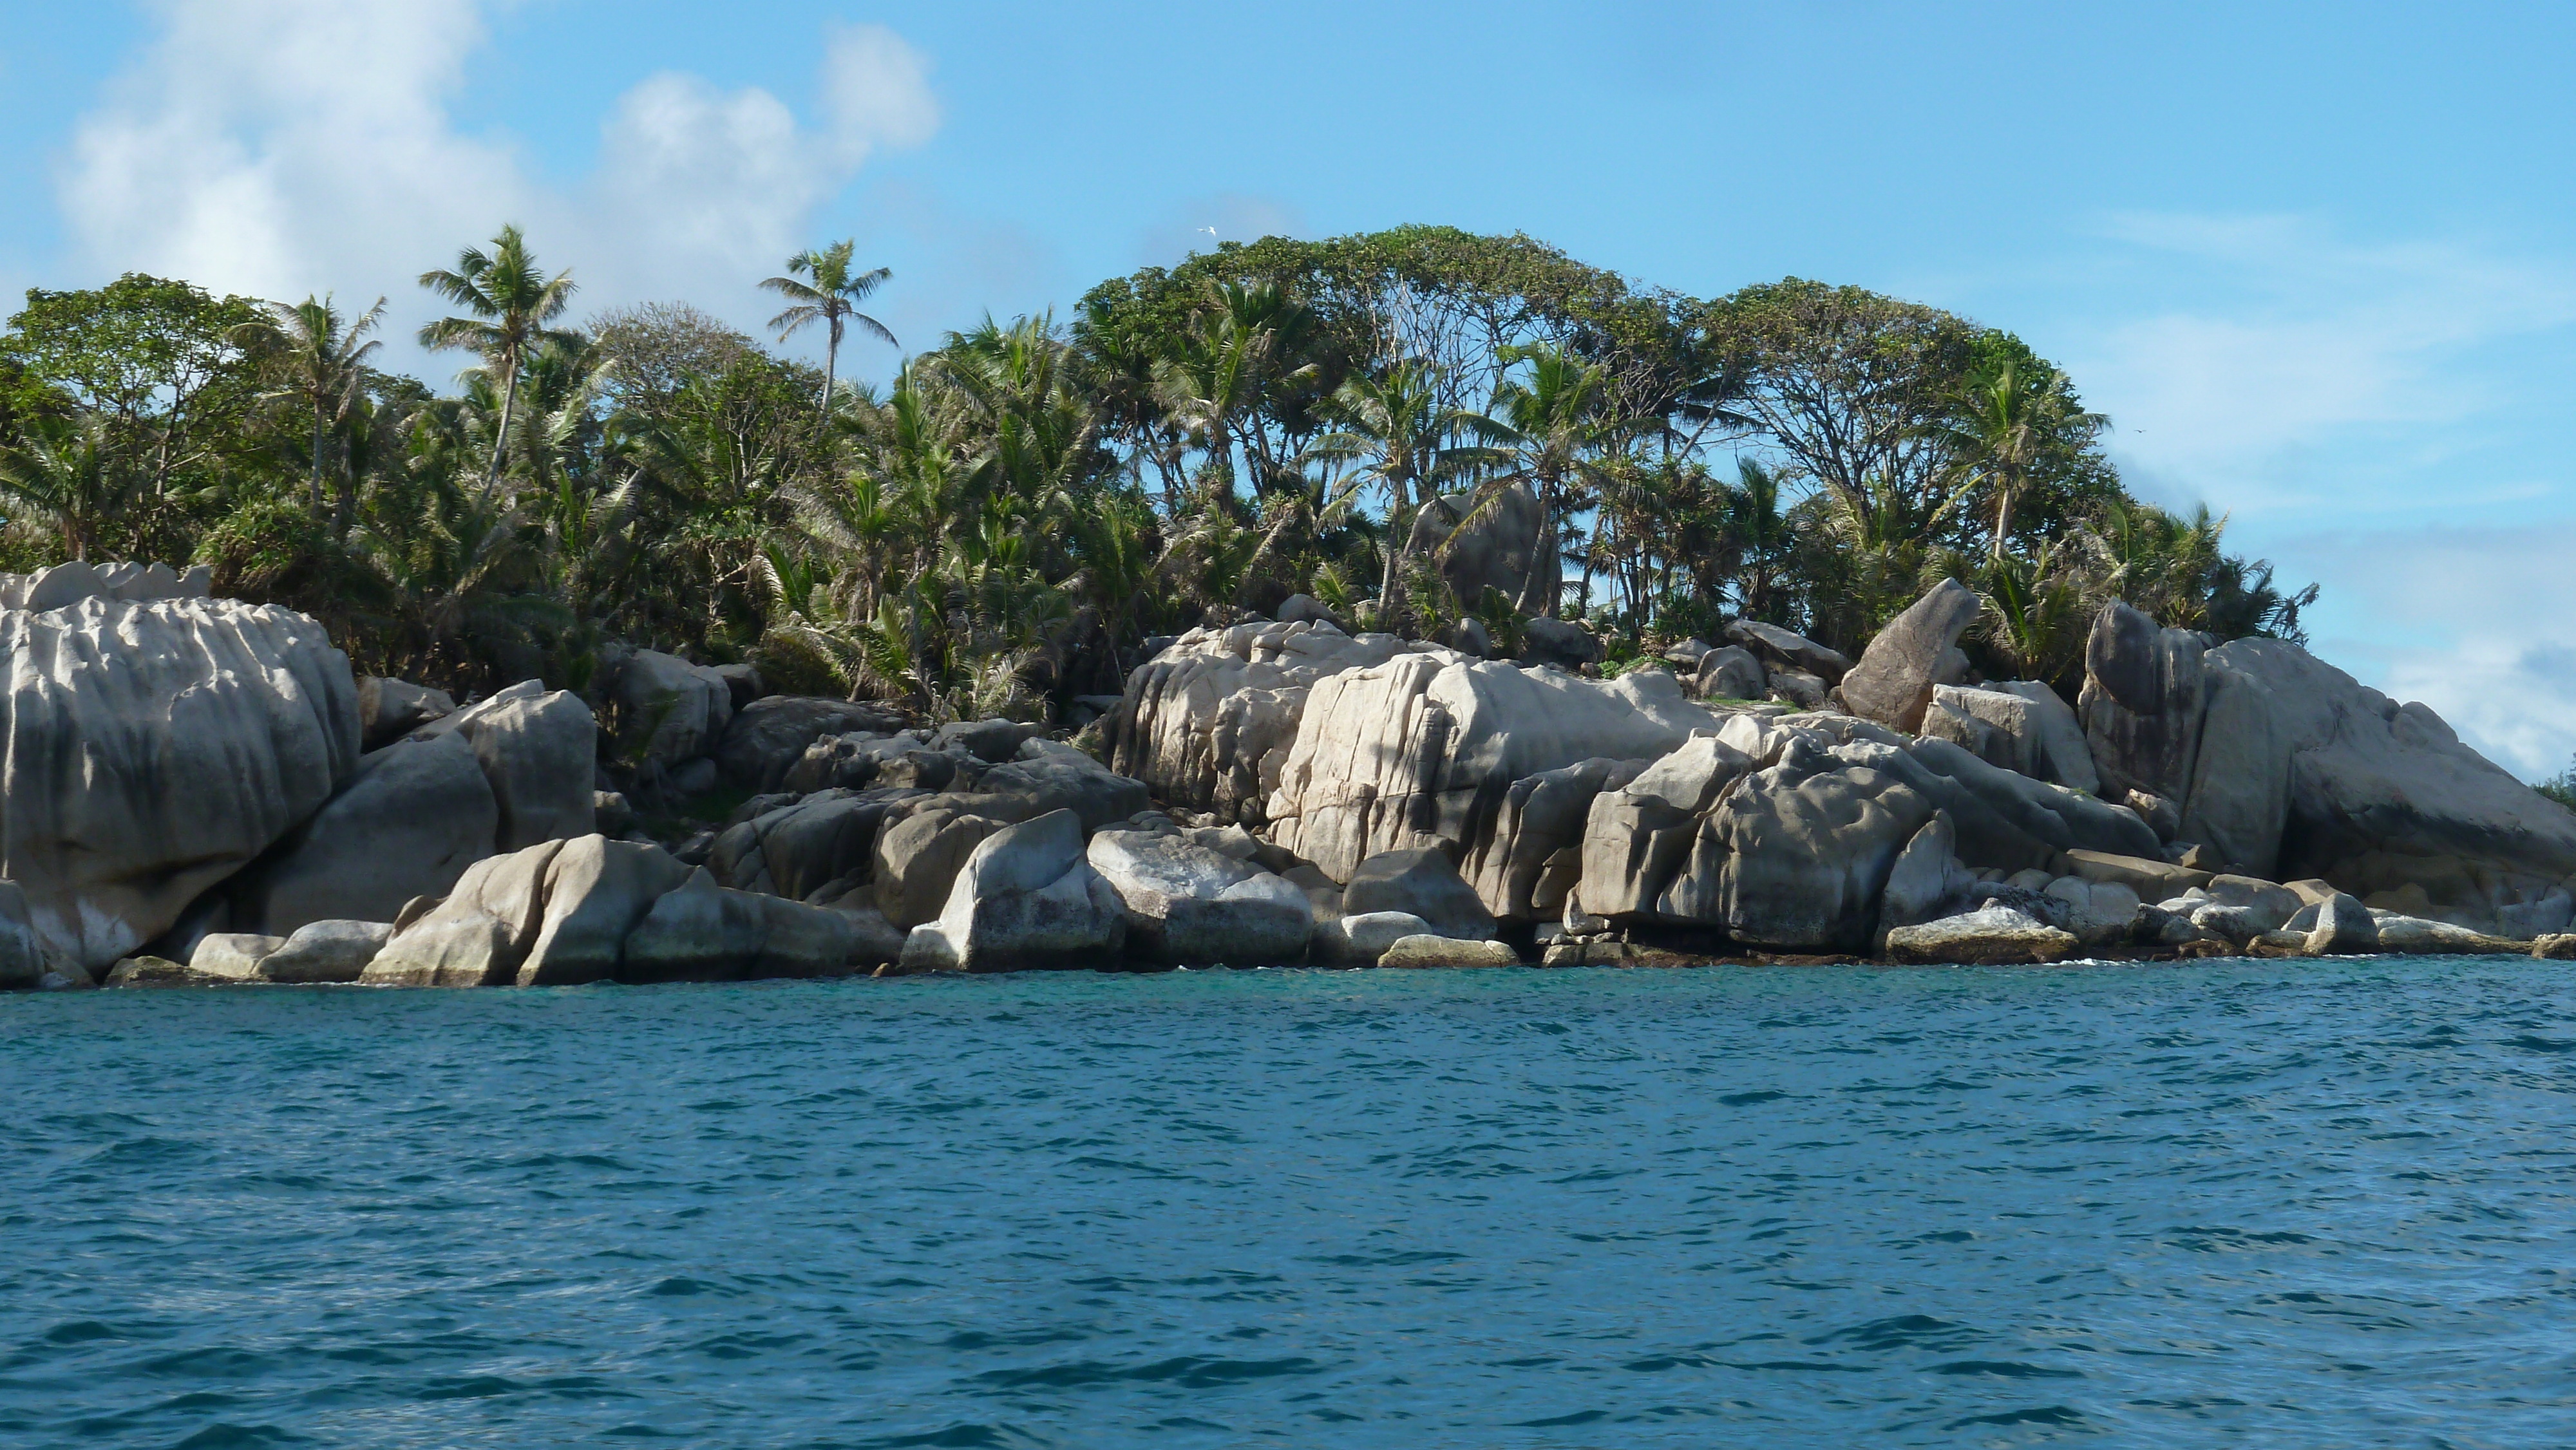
point(2290, 1204)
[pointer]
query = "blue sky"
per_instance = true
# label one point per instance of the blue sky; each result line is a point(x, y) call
point(2317, 262)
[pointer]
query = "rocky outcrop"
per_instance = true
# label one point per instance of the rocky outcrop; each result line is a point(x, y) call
point(1428, 949)
point(539, 749)
point(1558, 642)
point(1425, 749)
point(567, 912)
point(766, 737)
point(1187, 904)
point(1988, 936)
point(806, 849)
point(154, 749)
point(1025, 899)
point(1207, 724)
point(666, 710)
point(2020, 725)
point(1498, 538)
point(2285, 766)
point(391, 709)
point(1420, 883)
point(1782, 649)
point(1525, 865)
point(70, 583)
point(22, 954)
point(1730, 673)
point(416, 814)
point(1918, 650)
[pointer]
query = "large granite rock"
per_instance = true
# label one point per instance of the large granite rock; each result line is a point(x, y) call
point(479, 934)
point(390, 709)
point(1730, 673)
point(70, 583)
point(1637, 837)
point(919, 856)
point(417, 813)
point(540, 751)
point(1558, 642)
point(765, 737)
point(1422, 883)
point(1025, 899)
point(802, 848)
point(1425, 749)
point(154, 749)
point(666, 709)
point(2020, 725)
point(324, 951)
point(1523, 867)
point(1988, 936)
point(1783, 649)
point(1796, 856)
point(2287, 767)
point(1208, 723)
point(22, 954)
point(596, 891)
point(1189, 905)
point(1503, 540)
point(1919, 649)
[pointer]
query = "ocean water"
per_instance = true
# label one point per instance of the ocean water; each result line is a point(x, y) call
point(2293, 1204)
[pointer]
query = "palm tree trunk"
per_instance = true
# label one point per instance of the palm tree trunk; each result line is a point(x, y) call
point(501, 430)
point(831, 364)
point(317, 460)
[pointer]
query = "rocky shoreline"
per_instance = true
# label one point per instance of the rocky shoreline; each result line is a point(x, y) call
point(198, 791)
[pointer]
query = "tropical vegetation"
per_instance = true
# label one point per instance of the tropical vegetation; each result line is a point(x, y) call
point(1008, 520)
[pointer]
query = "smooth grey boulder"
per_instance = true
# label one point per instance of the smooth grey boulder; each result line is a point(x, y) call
point(992, 740)
point(2100, 913)
point(1051, 776)
point(154, 750)
point(1498, 538)
point(1523, 867)
point(839, 762)
point(1558, 642)
point(2268, 904)
point(918, 858)
point(1800, 689)
point(1918, 650)
point(479, 934)
point(1422, 883)
point(323, 951)
point(148, 971)
point(1427, 949)
point(1788, 650)
point(795, 849)
point(596, 891)
point(1637, 838)
point(1730, 673)
point(1988, 936)
point(1797, 856)
point(2141, 703)
point(1926, 879)
point(2417, 936)
point(1359, 940)
point(1189, 905)
point(1306, 608)
point(22, 954)
point(2020, 725)
point(390, 709)
point(666, 709)
point(2344, 927)
point(697, 931)
point(232, 956)
point(1685, 656)
point(417, 813)
point(767, 736)
point(1026, 899)
point(540, 751)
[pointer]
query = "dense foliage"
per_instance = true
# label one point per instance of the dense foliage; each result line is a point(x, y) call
point(1001, 525)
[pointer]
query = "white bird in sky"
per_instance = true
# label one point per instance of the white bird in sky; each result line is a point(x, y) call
point(1211, 231)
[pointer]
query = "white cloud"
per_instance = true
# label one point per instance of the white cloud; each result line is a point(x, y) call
point(279, 147)
point(2320, 343)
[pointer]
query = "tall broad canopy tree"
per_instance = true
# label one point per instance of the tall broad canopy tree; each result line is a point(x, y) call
point(1004, 523)
point(510, 303)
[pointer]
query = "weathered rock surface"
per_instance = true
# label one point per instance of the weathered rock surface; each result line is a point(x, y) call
point(1503, 541)
point(1422, 883)
point(1918, 650)
point(416, 814)
point(596, 891)
point(1189, 905)
point(232, 956)
point(1783, 649)
point(1427, 949)
point(1559, 642)
point(1424, 749)
point(800, 848)
point(539, 750)
point(1026, 899)
point(1359, 940)
point(666, 709)
point(918, 858)
point(22, 953)
point(70, 583)
point(1523, 867)
point(1927, 878)
point(155, 749)
point(2020, 725)
point(323, 951)
point(2141, 702)
point(1988, 936)
point(1208, 723)
point(391, 709)
point(479, 934)
point(767, 736)
point(1730, 673)
point(2344, 927)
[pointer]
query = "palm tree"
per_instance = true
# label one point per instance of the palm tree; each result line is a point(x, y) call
point(832, 298)
point(1409, 440)
point(1559, 423)
point(315, 357)
point(511, 302)
point(2003, 421)
point(66, 469)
